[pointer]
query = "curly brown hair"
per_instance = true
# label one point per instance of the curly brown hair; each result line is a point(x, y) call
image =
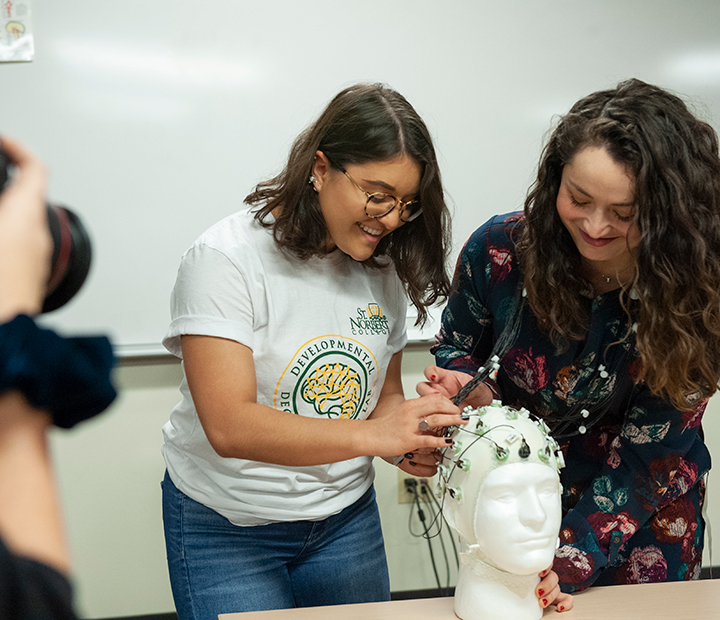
point(673, 159)
point(364, 123)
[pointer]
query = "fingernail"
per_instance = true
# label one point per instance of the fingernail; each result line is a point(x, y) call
point(408, 455)
point(449, 440)
point(412, 463)
point(545, 602)
point(541, 592)
point(561, 608)
point(433, 377)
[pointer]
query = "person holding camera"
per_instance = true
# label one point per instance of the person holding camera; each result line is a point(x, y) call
point(44, 380)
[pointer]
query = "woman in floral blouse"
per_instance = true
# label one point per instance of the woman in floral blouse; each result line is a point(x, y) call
point(602, 301)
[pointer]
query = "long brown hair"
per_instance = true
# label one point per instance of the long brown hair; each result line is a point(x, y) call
point(363, 123)
point(673, 159)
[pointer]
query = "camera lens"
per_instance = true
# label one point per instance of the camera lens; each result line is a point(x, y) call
point(72, 253)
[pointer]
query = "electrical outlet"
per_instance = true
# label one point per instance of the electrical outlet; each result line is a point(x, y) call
point(406, 482)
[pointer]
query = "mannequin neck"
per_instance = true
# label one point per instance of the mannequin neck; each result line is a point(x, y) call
point(486, 592)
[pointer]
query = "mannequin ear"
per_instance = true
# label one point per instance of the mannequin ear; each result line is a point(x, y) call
point(321, 168)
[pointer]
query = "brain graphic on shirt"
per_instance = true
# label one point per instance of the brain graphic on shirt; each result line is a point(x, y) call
point(333, 389)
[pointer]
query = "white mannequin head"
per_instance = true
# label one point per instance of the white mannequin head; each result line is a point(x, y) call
point(502, 496)
point(517, 517)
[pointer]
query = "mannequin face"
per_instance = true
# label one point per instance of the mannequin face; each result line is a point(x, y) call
point(517, 518)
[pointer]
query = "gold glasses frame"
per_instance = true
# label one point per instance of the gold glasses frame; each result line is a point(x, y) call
point(402, 205)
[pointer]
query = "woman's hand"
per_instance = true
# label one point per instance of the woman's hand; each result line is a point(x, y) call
point(412, 427)
point(449, 382)
point(25, 242)
point(548, 592)
point(421, 463)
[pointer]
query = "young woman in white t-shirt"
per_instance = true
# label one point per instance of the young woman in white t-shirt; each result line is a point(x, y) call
point(290, 320)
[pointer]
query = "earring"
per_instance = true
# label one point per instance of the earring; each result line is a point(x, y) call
point(312, 179)
point(312, 182)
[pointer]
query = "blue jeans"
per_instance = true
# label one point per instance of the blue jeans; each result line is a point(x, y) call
point(217, 567)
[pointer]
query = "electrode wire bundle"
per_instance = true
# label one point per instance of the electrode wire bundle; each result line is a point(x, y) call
point(436, 522)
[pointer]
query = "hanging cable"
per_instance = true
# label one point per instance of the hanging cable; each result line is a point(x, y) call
point(425, 534)
point(437, 518)
point(445, 523)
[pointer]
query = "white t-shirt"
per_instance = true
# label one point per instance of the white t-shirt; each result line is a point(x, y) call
point(322, 333)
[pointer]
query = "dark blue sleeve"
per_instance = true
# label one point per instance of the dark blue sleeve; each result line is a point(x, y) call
point(68, 377)
point(484, 285)
point(465, 335)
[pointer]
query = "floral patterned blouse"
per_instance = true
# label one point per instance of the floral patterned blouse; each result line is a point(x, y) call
point(632, 485)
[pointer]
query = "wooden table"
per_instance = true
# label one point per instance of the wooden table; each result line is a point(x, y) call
point(692, 600)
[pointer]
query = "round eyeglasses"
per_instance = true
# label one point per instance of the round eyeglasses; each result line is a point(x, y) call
point(379, 204)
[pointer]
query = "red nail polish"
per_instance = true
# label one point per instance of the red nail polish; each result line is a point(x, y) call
point(561, 608)
point(545, 602)
point(541, 592)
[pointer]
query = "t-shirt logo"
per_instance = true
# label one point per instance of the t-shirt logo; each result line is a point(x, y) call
point(330, 377)
point(333, 390)
point(370, 321)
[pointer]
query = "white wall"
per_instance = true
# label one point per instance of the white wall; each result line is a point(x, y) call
point(110, 468)
point(157, 117)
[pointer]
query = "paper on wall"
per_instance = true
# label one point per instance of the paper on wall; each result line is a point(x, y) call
point(16, 35)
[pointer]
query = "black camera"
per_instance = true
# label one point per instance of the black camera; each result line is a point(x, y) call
point(71, 254)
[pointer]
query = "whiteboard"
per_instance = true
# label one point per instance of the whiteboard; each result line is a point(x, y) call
point(156, 118)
